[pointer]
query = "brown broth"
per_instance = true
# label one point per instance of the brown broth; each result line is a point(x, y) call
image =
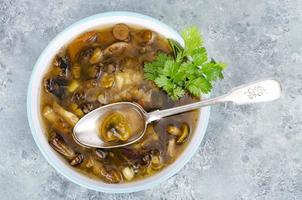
point(116, 77)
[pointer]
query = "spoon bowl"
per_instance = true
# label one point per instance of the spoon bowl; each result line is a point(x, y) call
point(85, 131)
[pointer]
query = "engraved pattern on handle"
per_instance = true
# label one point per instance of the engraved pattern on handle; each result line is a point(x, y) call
point(255, 92)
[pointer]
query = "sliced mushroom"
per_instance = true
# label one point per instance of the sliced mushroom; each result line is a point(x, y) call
point(103, 98)
point(77, 160)
point(173, 130)
point(109, 175)
point(70, 118)
point(116, 49)
point(181, 133)
point(120, 31)
point(101, 154)
point(115, 127)
point(112, 175)
point(144, 37)
point(60, 146)
point(156, 162)
point(185, 130)
point(147, 36)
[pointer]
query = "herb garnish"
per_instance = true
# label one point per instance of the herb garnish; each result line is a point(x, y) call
point(188, 70)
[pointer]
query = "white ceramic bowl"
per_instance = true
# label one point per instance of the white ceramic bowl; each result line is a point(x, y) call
point(33, 104)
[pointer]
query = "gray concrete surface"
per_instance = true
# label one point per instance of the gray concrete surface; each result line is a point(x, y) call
point(249, 152)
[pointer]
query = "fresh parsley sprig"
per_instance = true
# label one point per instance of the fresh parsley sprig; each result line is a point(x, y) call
point(188, 70)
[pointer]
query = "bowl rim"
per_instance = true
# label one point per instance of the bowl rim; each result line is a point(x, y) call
point(71, 174)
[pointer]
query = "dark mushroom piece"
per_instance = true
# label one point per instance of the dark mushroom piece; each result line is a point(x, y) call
point(60, 146)
point(84, 56)
point(112, 175)
point(56, 86)
point(109, 175)
point(78, 44)
point(120, 32)
point(63, 62)
point(87, 107)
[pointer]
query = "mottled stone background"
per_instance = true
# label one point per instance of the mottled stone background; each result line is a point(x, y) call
point(249, 152)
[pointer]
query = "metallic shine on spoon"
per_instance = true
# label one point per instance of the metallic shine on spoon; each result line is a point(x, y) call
point(86, 131)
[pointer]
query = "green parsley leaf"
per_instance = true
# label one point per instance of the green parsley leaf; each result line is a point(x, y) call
point(152, 70)
point(212, 71)
point(199, 56)
point(192, 39)
point(198, 86)
point(188, 71)
point(176, 93)
point(161, 81)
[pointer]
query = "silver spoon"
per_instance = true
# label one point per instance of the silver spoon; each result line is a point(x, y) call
point(86, 131)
